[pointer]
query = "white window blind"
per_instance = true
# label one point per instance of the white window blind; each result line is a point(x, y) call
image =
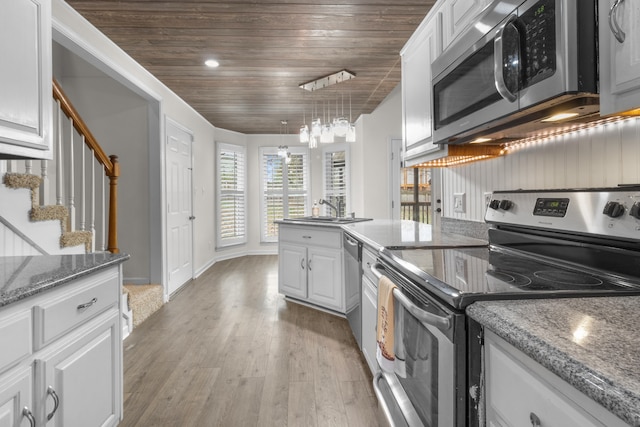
point(285, 188)
point(232, 195)
point(336, 178)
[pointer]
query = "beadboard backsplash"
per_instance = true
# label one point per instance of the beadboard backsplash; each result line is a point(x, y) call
point(603, 156)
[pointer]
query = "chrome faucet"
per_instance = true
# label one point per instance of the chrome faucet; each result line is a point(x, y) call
point(326, 202)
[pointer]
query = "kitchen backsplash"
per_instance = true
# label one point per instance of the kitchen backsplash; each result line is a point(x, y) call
point(603, 156)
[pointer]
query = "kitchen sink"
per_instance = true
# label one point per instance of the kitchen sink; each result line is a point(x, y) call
point(326, 219)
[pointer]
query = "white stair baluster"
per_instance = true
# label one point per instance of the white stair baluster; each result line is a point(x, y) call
point(71, 198)
point(12, 166)
point(44, 183)
point(83, 190)
point(92, 226)
point(103, 192)
point(58, 157)
point(28, 166)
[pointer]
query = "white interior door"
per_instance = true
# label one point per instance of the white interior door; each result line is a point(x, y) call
point(179, 206)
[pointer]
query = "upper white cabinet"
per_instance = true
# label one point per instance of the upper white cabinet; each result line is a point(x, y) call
point(456, 16)
point(25, 79)
point(417, 112)
point(619, 55)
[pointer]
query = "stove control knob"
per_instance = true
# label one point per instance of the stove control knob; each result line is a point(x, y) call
point(613, 209)
point(494, 204)
point(635, 210)
point(506, 204)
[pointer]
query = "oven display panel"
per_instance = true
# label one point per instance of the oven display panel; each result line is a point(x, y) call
point(551, 207)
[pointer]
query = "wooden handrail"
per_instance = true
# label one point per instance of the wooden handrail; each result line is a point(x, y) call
point(110, 163)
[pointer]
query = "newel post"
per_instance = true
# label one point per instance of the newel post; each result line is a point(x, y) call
point(112, 244)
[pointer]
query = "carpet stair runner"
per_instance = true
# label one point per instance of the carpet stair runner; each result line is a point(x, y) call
point(142, 302)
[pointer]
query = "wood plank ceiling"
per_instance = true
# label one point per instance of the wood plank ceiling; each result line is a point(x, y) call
point(266, 49)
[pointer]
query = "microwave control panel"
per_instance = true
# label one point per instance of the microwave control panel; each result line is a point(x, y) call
point(538, 27)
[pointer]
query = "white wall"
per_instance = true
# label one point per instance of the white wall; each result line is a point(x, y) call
point(604, 156)
point(370, 157)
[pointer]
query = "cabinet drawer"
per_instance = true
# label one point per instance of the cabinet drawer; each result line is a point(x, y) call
point(322, 236)
point(515, 395)
point(72, 307)
point(368, 261)
point(16, 337)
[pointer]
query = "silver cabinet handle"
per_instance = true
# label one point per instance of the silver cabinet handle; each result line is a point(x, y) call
point(191, 218)
point(613, 22)
point(87, 304)
point(302, 263)
point(306, 237)
point(27, 413)
point(309, 264)
point(56, 402)
point(423, 316)
point(498, 76)
point(535, 421)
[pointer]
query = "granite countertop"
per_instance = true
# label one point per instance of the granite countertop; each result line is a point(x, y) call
point(399, 234)
point(591, 343)
point(24, 276)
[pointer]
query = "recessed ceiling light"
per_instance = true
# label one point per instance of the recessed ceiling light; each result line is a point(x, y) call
point(211, 63)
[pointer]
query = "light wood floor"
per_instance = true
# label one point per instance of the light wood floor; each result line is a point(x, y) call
point(228, 350)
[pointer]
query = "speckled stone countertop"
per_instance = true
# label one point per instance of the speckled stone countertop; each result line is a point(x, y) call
point(591, 343)
point(24, 276)
point(398, 234)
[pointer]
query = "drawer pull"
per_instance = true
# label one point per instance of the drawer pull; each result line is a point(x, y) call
point(306, 237)
point(535, 421)
point(56, 402)
point(87, 304)
point(27, 413)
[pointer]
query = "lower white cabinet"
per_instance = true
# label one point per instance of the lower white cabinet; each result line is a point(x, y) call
point(521, 392)
point(72, 376)
point(310, 265)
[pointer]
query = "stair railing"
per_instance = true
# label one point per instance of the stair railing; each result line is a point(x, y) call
point(109, 164)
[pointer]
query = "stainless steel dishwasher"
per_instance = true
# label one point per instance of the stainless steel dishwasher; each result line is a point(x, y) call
point(353, 284)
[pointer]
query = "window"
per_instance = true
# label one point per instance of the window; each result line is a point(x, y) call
point(335, 161)
point(232, 195)
point(285, 188)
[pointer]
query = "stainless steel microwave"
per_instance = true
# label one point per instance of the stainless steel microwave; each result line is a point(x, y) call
point(515, 69)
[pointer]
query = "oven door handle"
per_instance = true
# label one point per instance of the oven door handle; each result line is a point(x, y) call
point(439, 322)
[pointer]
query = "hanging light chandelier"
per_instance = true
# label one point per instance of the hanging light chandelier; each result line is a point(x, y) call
point(339, 126)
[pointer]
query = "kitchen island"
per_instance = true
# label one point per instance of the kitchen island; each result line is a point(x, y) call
point(591, 344)
point(60, 331)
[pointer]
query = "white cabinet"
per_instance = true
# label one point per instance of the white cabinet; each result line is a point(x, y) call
point(456, 16)
point(25, 79)
point(72, 375)
point(369, 310)
point(423, 47)
point(619, 59)
point(310, 265)
point(521, 392)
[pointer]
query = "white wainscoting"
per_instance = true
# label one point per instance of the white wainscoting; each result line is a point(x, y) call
point(603, 156)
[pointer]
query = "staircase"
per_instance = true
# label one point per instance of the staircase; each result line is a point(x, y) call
point(60, 206)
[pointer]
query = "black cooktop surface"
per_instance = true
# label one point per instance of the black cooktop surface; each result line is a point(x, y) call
point(459, 276)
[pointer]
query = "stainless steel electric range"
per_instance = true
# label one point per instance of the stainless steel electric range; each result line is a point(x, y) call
point(542, 244)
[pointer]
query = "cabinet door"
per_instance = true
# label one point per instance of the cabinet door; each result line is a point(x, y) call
point(456, 16)
point(16, 395)
point(619, 61)
point(325, 278)
point(86, 377)
point(25, 79)
point(369, 321)
point(292, 270)
point(417, 104)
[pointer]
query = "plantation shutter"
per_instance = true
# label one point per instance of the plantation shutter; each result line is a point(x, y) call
point(232, 195)
point(285, 191)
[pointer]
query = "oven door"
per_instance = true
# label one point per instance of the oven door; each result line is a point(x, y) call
point(427, 385)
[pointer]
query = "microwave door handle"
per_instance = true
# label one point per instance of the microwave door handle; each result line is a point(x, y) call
point(439, 322)
point(613, 22)
point(498, 76)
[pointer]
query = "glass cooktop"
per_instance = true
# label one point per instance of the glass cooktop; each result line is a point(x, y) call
point(460, 276)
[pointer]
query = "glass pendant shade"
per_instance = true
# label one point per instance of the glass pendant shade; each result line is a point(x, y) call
point(313, 142)
point(351, 133)
point(326, 136)
point(316, 128)
point(340, 127)
point(304, 134)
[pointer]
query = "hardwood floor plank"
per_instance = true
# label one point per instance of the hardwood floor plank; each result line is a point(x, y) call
point(228, 350)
